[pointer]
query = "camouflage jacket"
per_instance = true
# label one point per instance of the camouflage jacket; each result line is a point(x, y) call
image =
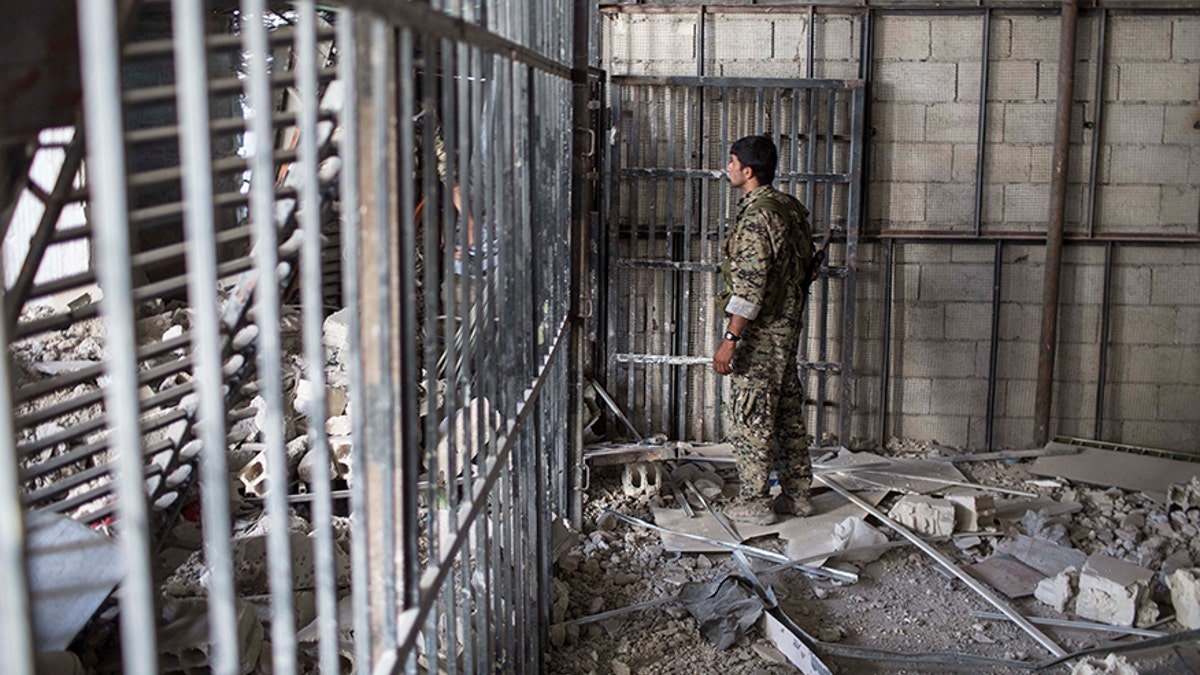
point(766, 254)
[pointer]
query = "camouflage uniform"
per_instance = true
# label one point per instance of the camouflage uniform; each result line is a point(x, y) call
point(765, 257)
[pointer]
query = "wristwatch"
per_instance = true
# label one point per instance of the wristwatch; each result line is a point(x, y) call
point(729, 335)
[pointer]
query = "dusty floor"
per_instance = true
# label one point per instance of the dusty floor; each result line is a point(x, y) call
point(903, 602)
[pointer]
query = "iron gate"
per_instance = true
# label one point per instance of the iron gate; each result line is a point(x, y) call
point(667, 210)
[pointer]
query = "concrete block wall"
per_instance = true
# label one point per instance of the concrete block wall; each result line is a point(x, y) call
point(923, 159)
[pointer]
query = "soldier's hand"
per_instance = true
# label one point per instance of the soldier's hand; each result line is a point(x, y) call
point(723, 359)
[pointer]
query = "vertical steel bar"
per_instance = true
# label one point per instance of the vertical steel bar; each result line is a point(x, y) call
point(853, 225)
point(1047, 344)
point(993, 346)
point(724, 191)
point(1105, 319)
point(656, 294)
point(885, 359)
point(980, 139)
point(195, 151)
point(684, 282)
point(633, 251)
point(312, 306)
point(847, 300)
point(1097, 125)
point(348, 193)
point(267, 314)
point(98, 42)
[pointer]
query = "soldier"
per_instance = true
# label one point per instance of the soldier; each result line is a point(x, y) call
point(766, 258)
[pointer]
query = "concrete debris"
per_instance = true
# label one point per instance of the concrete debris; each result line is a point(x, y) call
point(1058, 590)
point(467, 439)
point(1040, 525)
point(1184, 495)
point(340, 448)
point(1044, 556)
point(642, 479)
point(1113, 664)
point(339, 425)
point(925, 515)
point(854, 532)
point(1185, 596)
point(250, 568)
point(184, 636)
point(974, 511)
point(563, 538)
point(335, 398)
point(1116, 592)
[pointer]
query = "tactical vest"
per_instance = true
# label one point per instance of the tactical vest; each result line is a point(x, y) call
point(794, 251)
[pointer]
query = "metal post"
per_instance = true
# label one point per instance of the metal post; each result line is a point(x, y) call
point(1105, 319)
point(98, 38)
point(994, 347)
point(1047, 344)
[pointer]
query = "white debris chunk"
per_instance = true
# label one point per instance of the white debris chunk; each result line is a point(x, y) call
point(925, 515)
point(1185, 596)
point(1058, 590)
point(1115, 592)
point(974, 511)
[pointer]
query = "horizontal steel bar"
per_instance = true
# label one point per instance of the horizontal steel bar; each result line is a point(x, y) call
point(668, 265)
point(226, 125)
point(1031, 237)
point(718, 82)
point(719, 174)
point(213, 43)
point(68, 483)
point(225, 85)
point(1077, 625)
point(43, 387)
point(857, 7)
point(167, 212)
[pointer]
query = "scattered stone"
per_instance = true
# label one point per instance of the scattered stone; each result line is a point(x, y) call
point(1115, 592)
point(703, 562)
point(625, 578)
point(1113, 664)
point(854, 532)
point(1058, 591)
point(974, 511)
point(619, 668)
point(1185, 596)
point(925, 515)
point(338, 425)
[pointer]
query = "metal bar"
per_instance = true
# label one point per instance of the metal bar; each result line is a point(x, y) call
point(312, 304)
point(1047, 344)
point(981, 589)
point(222, 126)
point(226, 85)
point(739, 82)
point(212, 43)
point(1077, 625)
point(642, 172)
point(43, 387)
point(853, 226)
point(266, 308)
point(993, 347)
point(1097, 122)
point(885, 359)
point(980, 139)
point(1105, 320)
point(98, 38)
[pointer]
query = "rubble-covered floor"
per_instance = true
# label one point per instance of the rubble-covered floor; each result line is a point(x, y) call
point(903, 602)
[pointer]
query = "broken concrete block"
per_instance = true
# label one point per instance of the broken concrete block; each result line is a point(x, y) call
point(854, 532)
point(1185, 596)
point(335, 398)
point(254, 475)
point(339, 425)
point(1184, 495)
point(337, 330)
point(308, 465)
point(1115, 592)
point(184, 637)
point(1113, 664)
point(925, 515)
point(974, 511)
point(340, 448)
point(641, 478)
point(1058, 590)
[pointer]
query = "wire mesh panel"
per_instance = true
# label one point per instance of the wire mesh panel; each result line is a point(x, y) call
point(670, 210)
point(309, 405)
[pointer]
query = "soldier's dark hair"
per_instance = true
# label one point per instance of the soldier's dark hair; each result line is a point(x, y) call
point(758, 153)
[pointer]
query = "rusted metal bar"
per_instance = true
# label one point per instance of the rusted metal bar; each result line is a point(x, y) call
point(1054, 233)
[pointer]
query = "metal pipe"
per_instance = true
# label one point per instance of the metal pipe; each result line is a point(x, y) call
point(981, 589)
point(993, 347)
point(1105, 320)
point(1097, 122)
point(885, 359)
point(1047, 344)
point(98, 38)
point(980, 139)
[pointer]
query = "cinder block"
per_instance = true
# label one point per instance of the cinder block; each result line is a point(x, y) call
point(837, 38)
point(994, 125)
point(846, 69)
point(898, 121)
point(739, 37)
point(1175, 286)
point(1079, 164)
point(1079, 323)
point(1015, 288)
point(1179, 127)
point(1083, 254)
point(936, 359)
point(1115, 592)
point(761, 68)
point(1006, 163)
point(972, 253)
point(1026, 202)
point(1082, 284)
point(1185, 596)
point(968, 321)
point(913, 398)
point(1124, 400)
point(918, 82)
point(1179, 436)
point(964, 164)
point(1012, 433)
point(1058, 590)
point(923, 253)
point(1132, 38)
point(959, 397)
point(898, 202)
point(1134, 122)
point(1016, 361)
point(791, 38)
point(953, 122)
point(1029, 123)
point(916, 162)
point(901, 37)
point(1149, 165)
point(1000, 46)
point(1130, 285)
point(1185, 40)
point(956, 283)
point(666, 37)
point(951, 205)
point(935, 428)
point(924, 515)
point(1148, 325)
point(1164, 365)
point(1180, 206)
point(1035, 37)
point(1020, 322)
point(1165, 82)
point(1076, 400)
point(974, 510)
point(957, 38)
point(1187, 326)
point(1013, 81)
point(1179, 403)
point(1125, 207)
point(920, 320)
point(970, 78)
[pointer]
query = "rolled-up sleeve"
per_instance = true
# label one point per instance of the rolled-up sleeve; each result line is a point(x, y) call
point(749, 258)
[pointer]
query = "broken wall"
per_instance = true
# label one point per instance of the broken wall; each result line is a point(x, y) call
point(955, 228)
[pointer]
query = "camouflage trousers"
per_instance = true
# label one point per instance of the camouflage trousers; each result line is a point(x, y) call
point(766, 416)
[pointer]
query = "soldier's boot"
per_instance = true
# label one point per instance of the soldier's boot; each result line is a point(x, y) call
point(753, 511)
point(793, 505)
